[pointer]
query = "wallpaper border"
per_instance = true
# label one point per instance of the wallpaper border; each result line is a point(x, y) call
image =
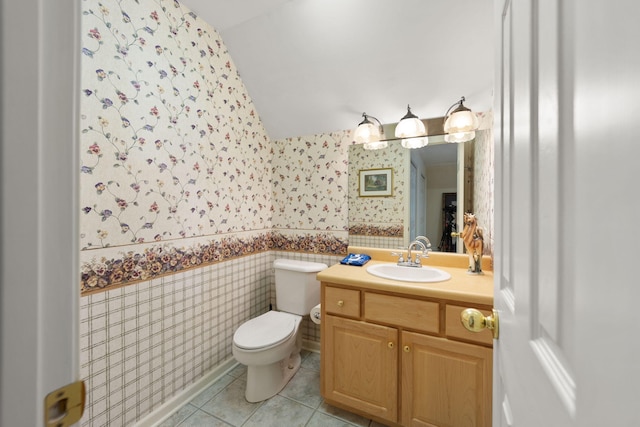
point(98, 275)
point(376, 230)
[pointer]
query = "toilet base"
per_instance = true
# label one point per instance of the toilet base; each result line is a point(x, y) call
point(265, 381)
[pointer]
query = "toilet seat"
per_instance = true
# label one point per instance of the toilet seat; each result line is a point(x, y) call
point(266, 330)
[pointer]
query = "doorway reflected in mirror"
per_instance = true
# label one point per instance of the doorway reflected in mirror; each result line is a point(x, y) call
point(449, 208)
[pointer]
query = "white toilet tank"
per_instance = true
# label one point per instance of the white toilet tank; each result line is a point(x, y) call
point(297, 290)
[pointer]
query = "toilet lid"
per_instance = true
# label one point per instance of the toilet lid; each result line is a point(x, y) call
point(265, 330)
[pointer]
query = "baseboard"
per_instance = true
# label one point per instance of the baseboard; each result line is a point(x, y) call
point(172, 405)
point(311, 345)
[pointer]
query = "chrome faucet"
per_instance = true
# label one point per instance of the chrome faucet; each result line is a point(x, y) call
point(423, 244)
point(417, 262)
point(427, 244)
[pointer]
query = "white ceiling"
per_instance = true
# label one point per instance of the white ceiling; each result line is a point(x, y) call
point(314, 66)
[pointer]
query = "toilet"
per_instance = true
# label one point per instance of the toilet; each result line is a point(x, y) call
point(270, 344)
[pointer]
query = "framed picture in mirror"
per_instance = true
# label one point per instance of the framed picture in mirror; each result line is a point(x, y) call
point(376, 182)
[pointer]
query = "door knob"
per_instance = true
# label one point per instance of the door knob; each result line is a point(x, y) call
point(475, 321)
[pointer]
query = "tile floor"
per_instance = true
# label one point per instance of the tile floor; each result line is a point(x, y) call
point(299, 404)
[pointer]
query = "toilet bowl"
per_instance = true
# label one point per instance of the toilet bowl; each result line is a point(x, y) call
point(270, 344)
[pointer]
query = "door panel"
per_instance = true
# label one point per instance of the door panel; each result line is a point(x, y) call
point(546, 157)
point(531, 357)
point(566, 146)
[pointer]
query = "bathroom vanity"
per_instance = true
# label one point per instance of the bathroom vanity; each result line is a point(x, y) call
point(397, 352)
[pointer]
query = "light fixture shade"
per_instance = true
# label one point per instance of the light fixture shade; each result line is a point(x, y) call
point(460, 124)
point(410, 125)
point(367, 131)
point(461, 121)
point(415, 142)
point(460, 136)
point(375, 145)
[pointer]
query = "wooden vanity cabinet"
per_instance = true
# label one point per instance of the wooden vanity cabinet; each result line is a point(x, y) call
point(388, 357)
point(360, 366)
point(445, 383)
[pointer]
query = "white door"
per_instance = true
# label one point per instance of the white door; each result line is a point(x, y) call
point(567, 286)
point(39, 269)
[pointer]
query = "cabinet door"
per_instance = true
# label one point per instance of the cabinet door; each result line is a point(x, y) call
point(360, 366)
point(445, 383)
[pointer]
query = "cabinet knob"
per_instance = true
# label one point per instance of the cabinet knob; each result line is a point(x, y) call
point(390, 345)
point(407, 349)
point(475, 321)
point(340, 303)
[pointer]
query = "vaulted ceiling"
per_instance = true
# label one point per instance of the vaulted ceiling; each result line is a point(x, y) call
point(314, 66)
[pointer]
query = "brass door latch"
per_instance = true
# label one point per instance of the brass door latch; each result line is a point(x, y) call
point(64, 406)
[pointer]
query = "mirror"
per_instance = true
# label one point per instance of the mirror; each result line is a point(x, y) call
point(432, 187)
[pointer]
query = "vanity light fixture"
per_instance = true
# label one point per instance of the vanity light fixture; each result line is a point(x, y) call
point(460, 125)
point(410, 126)
point(369, 134)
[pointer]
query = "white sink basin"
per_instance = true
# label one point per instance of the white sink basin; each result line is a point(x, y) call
point(408, 274)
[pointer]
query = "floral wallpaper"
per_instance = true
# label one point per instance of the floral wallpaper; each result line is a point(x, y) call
point(176, 165)
point(379, 216)
point(483, 182)
point(172, 144)
point(310, 181)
